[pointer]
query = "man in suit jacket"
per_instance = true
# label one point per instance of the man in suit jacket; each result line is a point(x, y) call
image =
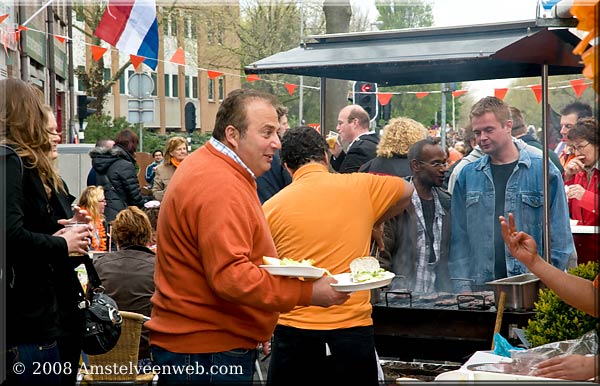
point(353, 127)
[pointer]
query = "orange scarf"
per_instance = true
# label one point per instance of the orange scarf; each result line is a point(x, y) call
point(99, 239)
point(174, 162)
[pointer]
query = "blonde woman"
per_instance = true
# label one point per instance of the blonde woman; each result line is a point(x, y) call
point(398, 136)
point(175, 152)
point(92, 199)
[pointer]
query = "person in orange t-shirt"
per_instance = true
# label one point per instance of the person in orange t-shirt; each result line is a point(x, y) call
point(328, 218)
point(576, 291)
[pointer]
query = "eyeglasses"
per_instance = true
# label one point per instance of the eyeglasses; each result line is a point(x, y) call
point(434, 164)
point(579, 148)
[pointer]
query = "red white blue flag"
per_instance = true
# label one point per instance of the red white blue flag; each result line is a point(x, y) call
point(131, 26)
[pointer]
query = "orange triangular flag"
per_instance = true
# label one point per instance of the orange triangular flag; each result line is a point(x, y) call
point(178, 57)
point(97, 52)
point(500, 93)
point(19, 29)
point(384, 97)
point(3, 17)
point(579, 86)
point(252, 78)
point(136, 60)
point(458, 93)
point(213, 74)
point(59, 38)
point(291, 88)
point(421, 94)
point(537, 91)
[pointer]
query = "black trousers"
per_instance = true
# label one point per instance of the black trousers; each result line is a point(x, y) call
point(300, 357)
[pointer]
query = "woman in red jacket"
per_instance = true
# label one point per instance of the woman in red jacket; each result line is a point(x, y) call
point(582, 174)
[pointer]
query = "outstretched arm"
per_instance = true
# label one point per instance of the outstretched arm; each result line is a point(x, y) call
point(576, 291)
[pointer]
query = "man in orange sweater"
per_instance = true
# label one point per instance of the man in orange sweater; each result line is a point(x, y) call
point(213, 304)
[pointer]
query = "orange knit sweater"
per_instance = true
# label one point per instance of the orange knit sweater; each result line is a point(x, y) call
point(211, 296)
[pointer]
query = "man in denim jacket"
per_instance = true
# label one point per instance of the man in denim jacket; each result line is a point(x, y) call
point(506, 179)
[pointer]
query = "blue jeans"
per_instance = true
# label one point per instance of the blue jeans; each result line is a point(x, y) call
point(235, 367)
point(25, 364)
point(300, 357)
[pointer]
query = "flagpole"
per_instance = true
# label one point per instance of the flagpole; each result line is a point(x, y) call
point(37, 12)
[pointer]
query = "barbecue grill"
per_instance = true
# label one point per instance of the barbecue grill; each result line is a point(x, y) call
point(438, 326)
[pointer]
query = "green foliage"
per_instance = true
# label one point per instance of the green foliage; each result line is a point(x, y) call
point(555, 320)
point(398, 14)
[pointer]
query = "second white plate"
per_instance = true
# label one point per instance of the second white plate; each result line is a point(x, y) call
point(294, 271)
point(345, 283)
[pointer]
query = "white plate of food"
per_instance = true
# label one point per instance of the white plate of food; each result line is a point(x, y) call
point(292, 268)
point(365, 274)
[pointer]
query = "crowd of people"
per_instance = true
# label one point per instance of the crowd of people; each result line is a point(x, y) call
point(188, 256)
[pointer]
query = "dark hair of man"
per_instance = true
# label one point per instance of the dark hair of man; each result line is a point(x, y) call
point(518, 126)
point(156, 151)
point(416, 150)
point(360, 114)
point(301, 145)
point(581, 109)
point(493, 105)
point(281, 111)
point(585, 128)
point(233, 110)
point(128, 140)
point(102, 142)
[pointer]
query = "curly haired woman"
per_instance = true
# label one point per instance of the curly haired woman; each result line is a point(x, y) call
point(398, 136)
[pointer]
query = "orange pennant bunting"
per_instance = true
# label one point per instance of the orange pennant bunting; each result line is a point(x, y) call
point(458, 93)
point(60, 38)
point(290, 88)
point(500, 93)
point(579, 86)
point(136, 60)
point(384, 97)
point(213, 74)
point(421, 94)
point(178, 57)
point(3, 17)
point(252, 78)
point(19, 29)
point(97, 52)
point(537, 91)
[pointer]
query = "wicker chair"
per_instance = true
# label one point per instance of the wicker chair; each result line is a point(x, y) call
point(125, 353)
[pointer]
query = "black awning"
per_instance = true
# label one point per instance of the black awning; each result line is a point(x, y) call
point(430, 55)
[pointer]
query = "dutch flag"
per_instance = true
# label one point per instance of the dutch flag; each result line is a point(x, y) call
point(131, 26)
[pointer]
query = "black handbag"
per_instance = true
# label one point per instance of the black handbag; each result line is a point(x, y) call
point(102, 321)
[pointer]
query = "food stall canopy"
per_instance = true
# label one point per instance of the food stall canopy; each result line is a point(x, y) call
point(430, 55)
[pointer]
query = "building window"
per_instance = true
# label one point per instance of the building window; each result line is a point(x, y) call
point(167, 85)
point(190, 28)
point(175, 85)
point(211, 90)
point(122, 83)
point(215, 33)
point(155, 82)
point(221, 88)
point(195, 87)
point(173, 26)
point(187, 86)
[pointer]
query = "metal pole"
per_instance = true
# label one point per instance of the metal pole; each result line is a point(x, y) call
point(323, 104)
point(443, 117)
point(37, 12)
point(70, 79)
point(301, 93)
point(453, 115)
point(545, 151)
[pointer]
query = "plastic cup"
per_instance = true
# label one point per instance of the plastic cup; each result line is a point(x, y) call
point(332, 138)
point(70, 225)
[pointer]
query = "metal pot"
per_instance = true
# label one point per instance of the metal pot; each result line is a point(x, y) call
point(522, 291)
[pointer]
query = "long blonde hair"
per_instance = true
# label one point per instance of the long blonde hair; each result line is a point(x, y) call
point(89, 199)
point(23, 126)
